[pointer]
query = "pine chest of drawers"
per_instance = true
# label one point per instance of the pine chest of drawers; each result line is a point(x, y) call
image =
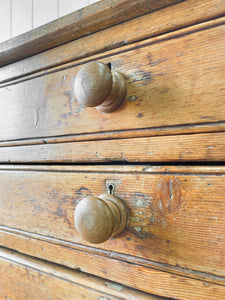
point(161, 151)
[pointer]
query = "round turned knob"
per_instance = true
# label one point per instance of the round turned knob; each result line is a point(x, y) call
point(99, 218)
point(97, 86)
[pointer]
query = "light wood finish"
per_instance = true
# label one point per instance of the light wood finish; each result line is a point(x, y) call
point(156, 24)
point(97, 86)
point(150, 279)
point(51, 281)
point(173, 244)
point(160, 91)
point(171, 148)
point(121, 168)
point(76, 25)
point(168, 213)
point(121, 134)
point(99, 218)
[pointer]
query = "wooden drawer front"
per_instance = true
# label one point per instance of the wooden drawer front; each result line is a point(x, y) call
point(182, 147)
point(173, 82)
point(21, 275)
point(176, 215)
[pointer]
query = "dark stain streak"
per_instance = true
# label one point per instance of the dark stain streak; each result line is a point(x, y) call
point(78, 110)
point(164, 90)
point(141, 234)
point(141, 200)
point(62, 211)
point(132, 98)
point(159, 74)
point(66, 115)
point(140, 76)
point(70, 94)
point(206, 118)
point(81, 193)
point(126, 76)
point(59, 212)
point(37, 208)
point(157, 62)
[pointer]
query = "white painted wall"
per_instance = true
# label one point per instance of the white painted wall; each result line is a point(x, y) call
point(19, 16)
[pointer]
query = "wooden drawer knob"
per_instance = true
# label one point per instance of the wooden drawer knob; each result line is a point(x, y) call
point(98, 86)
point(99, 218)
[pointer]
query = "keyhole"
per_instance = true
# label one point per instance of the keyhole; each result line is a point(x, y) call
point(111, 189)
point(109, 65)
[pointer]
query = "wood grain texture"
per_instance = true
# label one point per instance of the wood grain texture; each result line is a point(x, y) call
point(121, 169)
point(20, 276)
point(169, 83)
point(151, 280)
point(169, 19)
point(78, 24)
point(175, 219)
point(172, 148)
point(122, 134)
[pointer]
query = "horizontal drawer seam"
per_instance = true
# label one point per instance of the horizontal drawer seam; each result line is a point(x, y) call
point(185, 272)
point(183, 129)
point(146, 169)
point(138, 45)
point(51, 270)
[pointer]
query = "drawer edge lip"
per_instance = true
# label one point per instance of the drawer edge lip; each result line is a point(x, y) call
point(170, 130)
point(73, 26)
point(149, 40)
point(145, 168)
point(71, 276)
point(129, 259)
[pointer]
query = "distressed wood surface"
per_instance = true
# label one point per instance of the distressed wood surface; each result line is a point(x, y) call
point(114, 168)
point(51, 281)
point(174, 218)
point(156, 23)
point(83, 22)
point(169, 83)
point(172, 148)
point(147, 279)
point(122, 134)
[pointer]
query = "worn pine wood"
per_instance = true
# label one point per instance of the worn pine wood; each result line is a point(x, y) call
point(78, 24)
point(156, 23)
point(150, 280)
point(51, 281)
point(169, 83)
point(171, 148)
point(171, 216)
point(121, 168)
point(86, 259)
point(122, 134)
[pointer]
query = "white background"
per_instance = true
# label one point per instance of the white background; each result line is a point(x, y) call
point(19, 16)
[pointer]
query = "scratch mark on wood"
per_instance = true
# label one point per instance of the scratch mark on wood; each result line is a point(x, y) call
point(171, 193)
point(36, 117)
